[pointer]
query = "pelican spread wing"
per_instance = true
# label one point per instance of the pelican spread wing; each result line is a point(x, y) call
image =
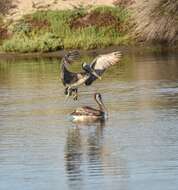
point(101, 63)
point(90, 71)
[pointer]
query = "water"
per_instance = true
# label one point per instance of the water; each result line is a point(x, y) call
point(137, 148)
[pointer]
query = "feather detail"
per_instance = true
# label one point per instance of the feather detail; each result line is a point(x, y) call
point(88, 111)
point(102, 62)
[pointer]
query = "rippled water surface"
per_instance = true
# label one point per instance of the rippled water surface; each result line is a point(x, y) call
point(136, 149)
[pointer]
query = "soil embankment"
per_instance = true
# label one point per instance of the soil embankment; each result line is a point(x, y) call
point(52, 25)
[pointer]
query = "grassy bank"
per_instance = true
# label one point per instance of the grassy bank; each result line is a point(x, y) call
point(83, 28)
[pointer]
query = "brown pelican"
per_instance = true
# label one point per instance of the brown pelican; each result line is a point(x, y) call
point(68, 78)
point(90, 71)
point(83, 114)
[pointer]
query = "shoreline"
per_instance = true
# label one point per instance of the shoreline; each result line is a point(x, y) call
point(60, 53)
point(139, 49)
point(48, 32)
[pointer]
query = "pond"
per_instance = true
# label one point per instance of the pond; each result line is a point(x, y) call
point(136, 148)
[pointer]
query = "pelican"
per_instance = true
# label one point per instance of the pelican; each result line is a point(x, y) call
point(89, 114)
point(68, 78)
point(90, 72)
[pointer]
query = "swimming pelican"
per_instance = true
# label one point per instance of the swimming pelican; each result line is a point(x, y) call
point(89, 114)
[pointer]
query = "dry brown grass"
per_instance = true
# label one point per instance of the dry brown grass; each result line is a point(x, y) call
point(5, 6)
point(156, 20)
point(97, 19)
point(123, 3)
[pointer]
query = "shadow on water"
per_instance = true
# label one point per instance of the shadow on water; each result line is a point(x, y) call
point(88, 156)
point(82, 136)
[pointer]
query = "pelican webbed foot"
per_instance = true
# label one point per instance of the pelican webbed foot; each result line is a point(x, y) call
point(71, 92)
point(67, 92)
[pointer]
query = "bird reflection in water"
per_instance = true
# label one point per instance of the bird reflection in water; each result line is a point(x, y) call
point(83, 148)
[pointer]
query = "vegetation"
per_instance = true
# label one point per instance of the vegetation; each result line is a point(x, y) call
point(5, 6)
point(156, 21)
point(92, 27)
point(77, 28)
point(3, 30)
point(43, 43)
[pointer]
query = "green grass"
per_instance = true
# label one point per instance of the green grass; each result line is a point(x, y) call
point(119, 12)
point(23, 44)
point(57, 33)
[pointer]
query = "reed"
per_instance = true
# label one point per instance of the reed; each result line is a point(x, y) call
point(156, 21)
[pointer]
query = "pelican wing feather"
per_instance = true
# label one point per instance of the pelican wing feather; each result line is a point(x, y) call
point(101, 63)
point(87, 111)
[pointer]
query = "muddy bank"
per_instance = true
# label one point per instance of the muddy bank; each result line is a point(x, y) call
point(59, 54)
point(139, 49)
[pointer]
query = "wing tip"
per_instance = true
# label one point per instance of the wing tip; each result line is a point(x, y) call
point(72, 55)
point(117, 53)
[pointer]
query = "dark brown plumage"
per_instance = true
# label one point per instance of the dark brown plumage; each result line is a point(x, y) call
point(90, 114)
point(90, 71)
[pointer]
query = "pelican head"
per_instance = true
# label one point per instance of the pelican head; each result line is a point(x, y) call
point(86, 67)
point(98, 98)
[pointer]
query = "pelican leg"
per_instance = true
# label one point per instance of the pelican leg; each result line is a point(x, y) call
point(67, 96)
point(75, 97)
point(68, 92)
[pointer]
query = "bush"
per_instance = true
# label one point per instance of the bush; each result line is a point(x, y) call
point(22, 43)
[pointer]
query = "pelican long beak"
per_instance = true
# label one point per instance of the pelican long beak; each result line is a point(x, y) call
point(96, 75)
